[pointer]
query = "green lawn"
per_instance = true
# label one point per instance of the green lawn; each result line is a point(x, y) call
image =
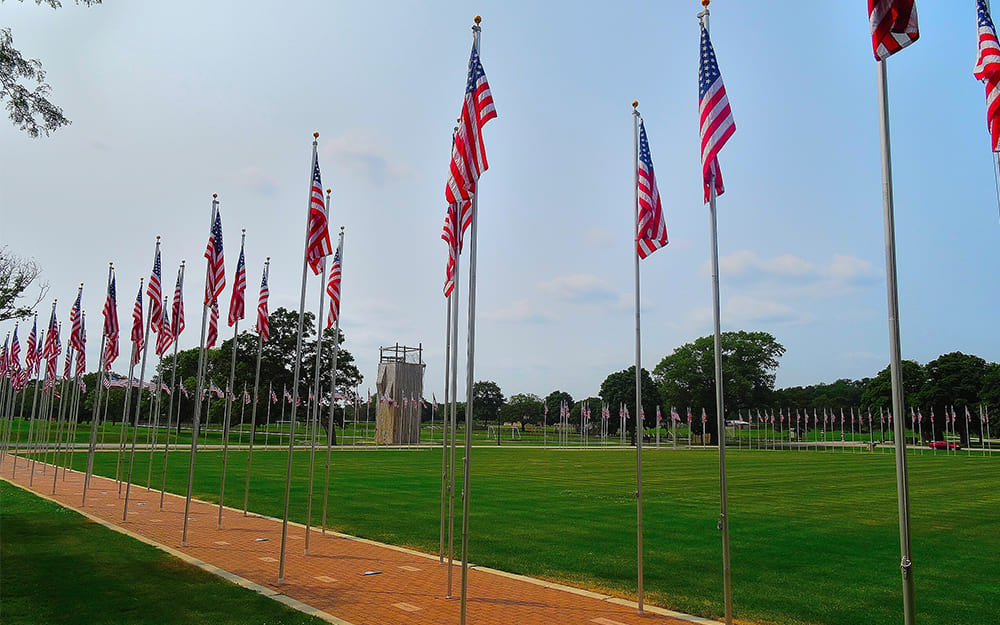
point(814, 536)
point(57, 567)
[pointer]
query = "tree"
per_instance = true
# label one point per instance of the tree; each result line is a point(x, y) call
point(619, 389)
point(878, 390)
point(954, 380)
point(277, 360)
point(749, 361)
point(553, 401)
point(16, 275)
point(486, 400)
point(524, 408)
point(28, 106)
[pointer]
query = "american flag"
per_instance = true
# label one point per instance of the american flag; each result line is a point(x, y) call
point(236, 304)
point(652, 228)
point(987, 69)
point(81, 354)
point(154, 291)
point(215, 390)
point(263, 327)
point(184, 389)
point(76, 324)
point(894, 26)
point(137, 338)
point(4, 358)
point(318, 245)
point(14, 363)
point(31, 352)
point(717, 123)
point(68, 366)
point(468, 154)
point(274, 397)
point(286, 394)
point(164, 338)
point(51, 348)
point(246, 397)
point(333, 288)
point(704, 417)
point(110, 326)
point(213, 324)
point(215, 278)
point(177, 326)
point(450, 236)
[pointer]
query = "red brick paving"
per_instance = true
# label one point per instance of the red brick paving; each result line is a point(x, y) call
point(409, 590)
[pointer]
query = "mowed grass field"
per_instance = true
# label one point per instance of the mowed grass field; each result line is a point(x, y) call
point(814, 535)
point(58, 567)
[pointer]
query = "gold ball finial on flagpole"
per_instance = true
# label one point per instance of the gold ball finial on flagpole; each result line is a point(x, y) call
point(341, 228)
point(315, 135)
point(635, 103)
point(215, 195)
point(328, 191)
point(704, 3)
point(268, 259)
point(477, 19)
point(157, 237)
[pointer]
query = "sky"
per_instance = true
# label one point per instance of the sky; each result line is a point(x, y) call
point(174, 101)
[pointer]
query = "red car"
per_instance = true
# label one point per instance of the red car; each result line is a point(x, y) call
point(943, 445)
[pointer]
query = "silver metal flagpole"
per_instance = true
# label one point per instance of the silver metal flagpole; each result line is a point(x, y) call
point(95, 416)
point(333, 383)
point(199, 385)
point(173, 389)
point(444, 427)
point(719, 407)
point(895, 358)
point(638, 364)
point(469, 379)
point(123, 432)
point(138, 396)
point(253, 411)
point(157, 412)
point(454, 409)
point(316, 385)
point(229, 401)
point(296, 371)
point(62, 414)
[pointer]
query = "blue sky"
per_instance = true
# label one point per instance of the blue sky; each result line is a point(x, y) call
point(172, 102)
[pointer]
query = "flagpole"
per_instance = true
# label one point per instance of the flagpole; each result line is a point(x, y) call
point(159, 406)
point(720, 411)
point(295, 374)
point(895, 361)
point(333, 383)
point(315, 393)
point(125, 409)
point(469, 379)
point(94, 417)
point(229, 390)
point(173, 389)
point(638, 366)
point(199, 385)
point(454, 301)
point(253, 411)
point(444, 428)
point(138, 398)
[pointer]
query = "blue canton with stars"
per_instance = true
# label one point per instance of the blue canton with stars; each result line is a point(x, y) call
point(644, 156)
point(709, 71)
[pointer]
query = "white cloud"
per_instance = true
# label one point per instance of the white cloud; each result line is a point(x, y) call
point(362, 155)
point(792, 275)
point(257, 179)
point(741, 309)
point(579, 288)
point(599, 238)
point(520, 311)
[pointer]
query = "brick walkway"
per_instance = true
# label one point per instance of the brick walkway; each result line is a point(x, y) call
point(330, 581)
